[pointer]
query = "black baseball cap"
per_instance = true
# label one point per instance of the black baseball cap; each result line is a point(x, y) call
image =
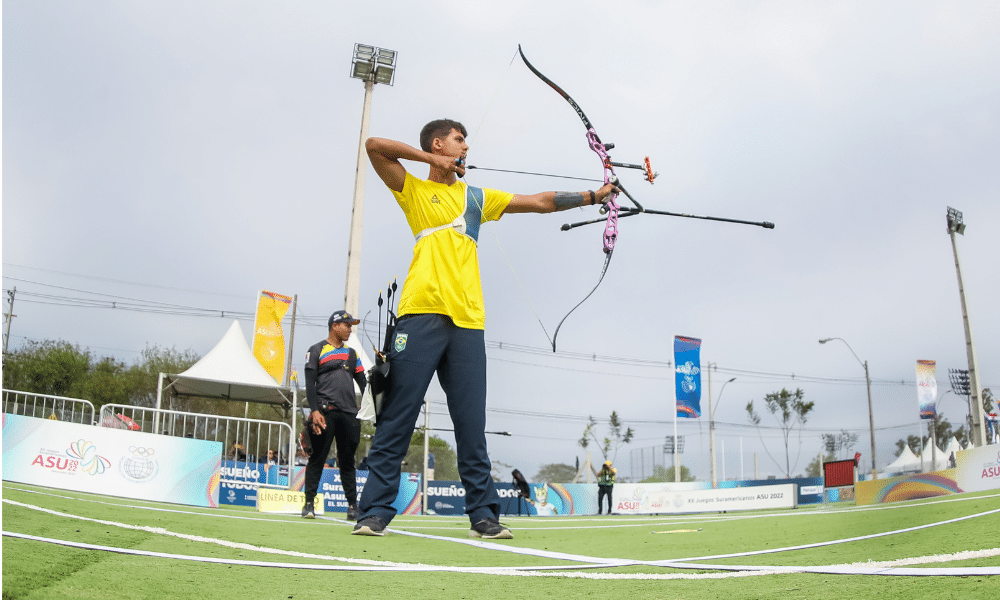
point(342, 316)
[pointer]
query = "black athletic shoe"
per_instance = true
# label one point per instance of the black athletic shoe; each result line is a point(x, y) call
point(490, 529)
point(352, 512)
point(308, 512)
point(369, 526)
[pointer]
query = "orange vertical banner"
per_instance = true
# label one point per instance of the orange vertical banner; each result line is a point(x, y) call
point(268, 336)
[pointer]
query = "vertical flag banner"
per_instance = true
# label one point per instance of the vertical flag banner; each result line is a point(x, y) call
point(927, 388)
point(268, 337)
point(687, 365)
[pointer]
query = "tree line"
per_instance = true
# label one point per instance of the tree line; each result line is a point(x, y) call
point(58, 368)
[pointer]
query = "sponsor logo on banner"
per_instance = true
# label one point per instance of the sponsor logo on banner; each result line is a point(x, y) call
point(138, 465)
point(502, 492)
point(991, 470)
point(55, 462)
point(90, 461)
point(452, 491)
point(80, 457)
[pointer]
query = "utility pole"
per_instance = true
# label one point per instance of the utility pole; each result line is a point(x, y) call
point(8, 318)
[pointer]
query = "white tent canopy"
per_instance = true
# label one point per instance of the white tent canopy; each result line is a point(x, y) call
point(928, 453)
point(906, 462)
point(228, 372)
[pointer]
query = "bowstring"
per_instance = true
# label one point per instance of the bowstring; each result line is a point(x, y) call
point(489, 224)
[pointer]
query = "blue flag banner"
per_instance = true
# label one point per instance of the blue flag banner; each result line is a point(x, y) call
point(687, 361)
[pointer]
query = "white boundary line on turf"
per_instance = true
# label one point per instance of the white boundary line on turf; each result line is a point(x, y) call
point(733, 570)
point(675, 563)
point(831, 542)
point(594, 562)
point(198, 538)
point(173, 510)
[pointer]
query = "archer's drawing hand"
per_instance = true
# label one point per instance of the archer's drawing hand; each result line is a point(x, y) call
point(448, 164)
point(317, 421)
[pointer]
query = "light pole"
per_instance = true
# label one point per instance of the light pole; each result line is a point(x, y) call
point(711, 428)
point(957, 225)
point(371, 65)
point(868, 383)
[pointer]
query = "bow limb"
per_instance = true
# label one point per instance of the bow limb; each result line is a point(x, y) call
point(607, 261)
point(559, 90)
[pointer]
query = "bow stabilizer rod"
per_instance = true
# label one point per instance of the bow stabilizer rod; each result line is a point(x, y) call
point(631, 212)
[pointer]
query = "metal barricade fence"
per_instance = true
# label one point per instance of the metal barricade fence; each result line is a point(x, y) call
point(245, 442)
point(44, 406)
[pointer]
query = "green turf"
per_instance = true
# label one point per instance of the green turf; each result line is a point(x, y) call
point(34, 569)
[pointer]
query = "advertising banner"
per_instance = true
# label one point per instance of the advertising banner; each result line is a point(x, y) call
point(268, 337)
point(246, 494)
point(687, 364)
point(648, 498)
point(100, 460)
point(927, 388)
point(547, 499)
point(978, 469)
point(287, 502)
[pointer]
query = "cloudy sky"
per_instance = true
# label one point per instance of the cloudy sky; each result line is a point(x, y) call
point(189, 154)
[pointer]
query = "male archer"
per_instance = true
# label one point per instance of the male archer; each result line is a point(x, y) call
point(442, 318)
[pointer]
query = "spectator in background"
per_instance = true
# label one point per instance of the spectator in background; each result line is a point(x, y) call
point(332, 369)
point(237, 452)
point(605, 485)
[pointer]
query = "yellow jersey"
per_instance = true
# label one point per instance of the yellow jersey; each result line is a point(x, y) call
point(444, 273)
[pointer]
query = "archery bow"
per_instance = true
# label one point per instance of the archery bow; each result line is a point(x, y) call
point(611, 206)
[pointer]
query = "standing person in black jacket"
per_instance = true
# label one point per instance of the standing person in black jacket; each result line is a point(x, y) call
point(331, 371)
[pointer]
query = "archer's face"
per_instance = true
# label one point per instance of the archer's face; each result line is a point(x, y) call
point(454, 144)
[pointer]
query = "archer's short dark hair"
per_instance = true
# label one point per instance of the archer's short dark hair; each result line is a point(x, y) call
point(439, 129)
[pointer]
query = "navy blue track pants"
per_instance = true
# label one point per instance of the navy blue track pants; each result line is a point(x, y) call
point(425, 344)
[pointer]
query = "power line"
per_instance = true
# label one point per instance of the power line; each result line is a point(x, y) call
point(117, 302)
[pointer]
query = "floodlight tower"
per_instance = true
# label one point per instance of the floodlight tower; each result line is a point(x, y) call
point(957, 225)
point(371, 65)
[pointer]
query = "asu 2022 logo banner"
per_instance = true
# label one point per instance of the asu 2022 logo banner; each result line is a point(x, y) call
point(927, 388)
point(268, 337)
point(687, 366)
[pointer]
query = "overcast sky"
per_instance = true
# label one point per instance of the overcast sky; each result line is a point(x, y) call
point(193, 153)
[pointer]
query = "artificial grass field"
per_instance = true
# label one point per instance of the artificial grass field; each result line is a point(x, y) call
point(397, 565)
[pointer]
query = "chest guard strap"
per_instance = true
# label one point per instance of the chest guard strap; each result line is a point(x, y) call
point(468, 222)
